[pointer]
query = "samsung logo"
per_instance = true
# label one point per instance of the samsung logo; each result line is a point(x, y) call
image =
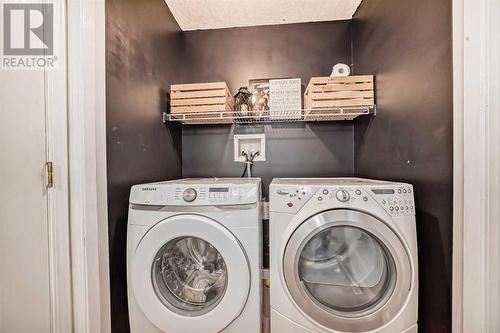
point(149, 188)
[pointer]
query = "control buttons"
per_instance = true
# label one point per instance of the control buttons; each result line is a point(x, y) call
point(290, 204)
point(365, 198)
point(189, 195)
point(404, 191)
point(202, 194)
point(294, 194)
point(358, 192)
point(320, 198)
point(399, 191)
point(400, 209)
point(342, 195)
point(409, 190)
point(218, 196)
point(325, 191)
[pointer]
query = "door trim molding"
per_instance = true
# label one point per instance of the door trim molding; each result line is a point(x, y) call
point(476, 166)
point(87, 165)
point(58, 195)
point(458, 164)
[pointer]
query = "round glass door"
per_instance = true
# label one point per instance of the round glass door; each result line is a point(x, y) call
point(346, 269)
point(189, 276)
point(189, 273)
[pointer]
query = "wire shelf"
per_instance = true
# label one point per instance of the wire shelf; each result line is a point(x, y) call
point(258, 117)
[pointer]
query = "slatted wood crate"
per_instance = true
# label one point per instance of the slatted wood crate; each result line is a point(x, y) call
point(326, 95)
point(201, 99)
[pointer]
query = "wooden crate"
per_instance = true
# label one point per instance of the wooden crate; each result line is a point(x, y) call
point(200, 98)
point(330, 94)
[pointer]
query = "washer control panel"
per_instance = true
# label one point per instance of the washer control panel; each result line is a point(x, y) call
point(218, 195)
point(189, 194)
point(194, 195)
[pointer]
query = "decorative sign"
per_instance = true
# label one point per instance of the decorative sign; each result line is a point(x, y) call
point(285, 100)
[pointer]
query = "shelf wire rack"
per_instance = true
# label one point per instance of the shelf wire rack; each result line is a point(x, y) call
point(258, 117)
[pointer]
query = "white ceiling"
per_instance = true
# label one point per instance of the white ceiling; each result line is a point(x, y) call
point(215, 14)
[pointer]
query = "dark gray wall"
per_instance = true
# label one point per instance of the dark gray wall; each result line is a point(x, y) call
point(237, 55)
point(312, 150)
point(142, 59)
point(407, 45)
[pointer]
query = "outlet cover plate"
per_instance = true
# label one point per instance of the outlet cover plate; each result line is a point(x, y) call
point(249, 143)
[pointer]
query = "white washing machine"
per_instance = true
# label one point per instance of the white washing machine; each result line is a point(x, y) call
point(194, 256)
point(343, 256)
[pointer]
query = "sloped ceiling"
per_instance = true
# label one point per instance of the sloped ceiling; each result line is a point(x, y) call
point(216, 14)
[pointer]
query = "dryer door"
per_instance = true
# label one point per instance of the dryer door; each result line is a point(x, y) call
point(190, 273)
point(347, 271)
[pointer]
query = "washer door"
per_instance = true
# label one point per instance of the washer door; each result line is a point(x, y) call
point(347, 271)
point(190, 272)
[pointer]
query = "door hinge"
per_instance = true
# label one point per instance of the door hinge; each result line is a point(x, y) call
point(50, 174)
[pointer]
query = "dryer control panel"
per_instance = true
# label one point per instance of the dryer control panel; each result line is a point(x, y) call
point(397, 201)
point(290, 198)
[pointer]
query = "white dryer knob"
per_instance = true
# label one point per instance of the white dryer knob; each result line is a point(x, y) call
point(342, 195)
point(189, 195)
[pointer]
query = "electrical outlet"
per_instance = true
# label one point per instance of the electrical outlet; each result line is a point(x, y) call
point(250, 144)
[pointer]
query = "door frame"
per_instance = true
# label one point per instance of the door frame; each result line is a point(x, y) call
point(476, 77)
point(86, 83)
point(58, 224)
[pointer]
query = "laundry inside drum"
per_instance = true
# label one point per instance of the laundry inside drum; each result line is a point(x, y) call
point(189, 276)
